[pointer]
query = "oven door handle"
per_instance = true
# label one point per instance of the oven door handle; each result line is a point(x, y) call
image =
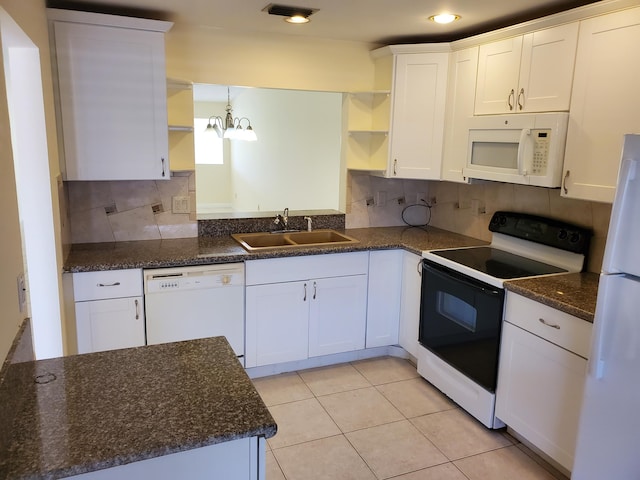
point(445, 271)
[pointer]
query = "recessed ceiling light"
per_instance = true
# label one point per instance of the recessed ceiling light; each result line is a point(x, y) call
point(292, 14)
point(444, 18)
point(296, 19)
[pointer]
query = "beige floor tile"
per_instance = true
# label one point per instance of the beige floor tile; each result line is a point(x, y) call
point(395, 449)
point(503, 464)
point(272, 469)
point(416, 397)
point(334, 379)
point(284, 388)
point(357, 409)
point(386, 369)
point(446, 471)
point(299, 422)
point(554, 472)
point(457, 434)
point(330, 458)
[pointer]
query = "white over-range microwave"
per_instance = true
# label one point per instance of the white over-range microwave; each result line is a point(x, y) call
point(522, 148)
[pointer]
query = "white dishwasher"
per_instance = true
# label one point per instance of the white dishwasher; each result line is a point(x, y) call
point(186, 303)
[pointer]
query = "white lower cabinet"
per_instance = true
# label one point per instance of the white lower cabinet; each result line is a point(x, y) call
point(109, 310)
point(300, 307)
point(410, 302)
point(541, 379)
point(384, 296)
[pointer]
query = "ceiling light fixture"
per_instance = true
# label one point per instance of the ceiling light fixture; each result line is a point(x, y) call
point(231, 127)
point(297, 15)
point(444, 18)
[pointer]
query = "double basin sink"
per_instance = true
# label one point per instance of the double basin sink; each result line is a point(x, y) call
point(263, 241)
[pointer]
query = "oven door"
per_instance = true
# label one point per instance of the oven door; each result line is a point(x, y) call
point(460, 322)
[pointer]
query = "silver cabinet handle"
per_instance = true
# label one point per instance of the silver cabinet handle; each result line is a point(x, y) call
point(395, 164)
point(108, 284)
point(511, 98)
point(564, 182)
point(305, 293)
point(137, 309)
point(419, 268)
point(552, 325)
point(163, 171)
point(315, 290)
point(521, 95)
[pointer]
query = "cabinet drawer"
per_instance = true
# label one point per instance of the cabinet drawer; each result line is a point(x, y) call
point(107, 284)
point(293, 269)
point(562, 329)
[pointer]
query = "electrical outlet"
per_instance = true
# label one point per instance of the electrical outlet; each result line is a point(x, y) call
point(22, 293)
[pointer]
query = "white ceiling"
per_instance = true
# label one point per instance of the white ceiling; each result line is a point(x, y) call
point(377, 22)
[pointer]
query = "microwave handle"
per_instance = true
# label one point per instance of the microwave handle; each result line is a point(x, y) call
point(524, 135)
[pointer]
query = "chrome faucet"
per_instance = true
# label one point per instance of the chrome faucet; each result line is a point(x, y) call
point(283, 220)
point(308, 219)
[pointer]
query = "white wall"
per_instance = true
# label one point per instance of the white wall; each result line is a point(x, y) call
point(296, 166)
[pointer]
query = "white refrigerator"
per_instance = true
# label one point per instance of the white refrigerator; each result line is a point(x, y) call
point(608, 445)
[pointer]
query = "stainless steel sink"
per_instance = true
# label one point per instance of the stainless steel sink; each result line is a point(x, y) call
point(263, 241)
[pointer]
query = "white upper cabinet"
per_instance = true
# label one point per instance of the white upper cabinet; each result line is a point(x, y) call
point(463, 68)
point(112, 96)
point(605, 104)
point(417, 118)
point(530, 73)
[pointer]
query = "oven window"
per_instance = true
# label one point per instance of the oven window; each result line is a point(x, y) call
point(457, 310)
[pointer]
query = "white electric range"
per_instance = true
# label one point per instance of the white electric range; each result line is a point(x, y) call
point(463, 300)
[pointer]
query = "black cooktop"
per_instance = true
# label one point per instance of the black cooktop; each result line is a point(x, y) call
point(498, 263)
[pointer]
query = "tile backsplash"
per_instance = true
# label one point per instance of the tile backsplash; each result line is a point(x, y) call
point(142, 210)
point(119, 211)
point(467, 209)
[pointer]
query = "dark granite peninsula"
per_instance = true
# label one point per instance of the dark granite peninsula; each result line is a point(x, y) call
point(176, 410)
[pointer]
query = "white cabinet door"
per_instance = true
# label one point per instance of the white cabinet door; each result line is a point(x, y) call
point(337, 314)
point(277, 323)
point(604, 105)
point(463, 69)
point(113, 104)
point(546, 69)
point(110, 324)
point(498, 71)
point(410, 305)
point(417, 125)
point(530, 73)
point(383, 299)
point(539, 392)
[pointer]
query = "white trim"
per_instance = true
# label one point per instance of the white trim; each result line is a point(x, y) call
point(73, 16)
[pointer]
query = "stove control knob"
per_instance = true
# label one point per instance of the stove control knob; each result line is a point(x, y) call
point(563, 234)
point(575, 237)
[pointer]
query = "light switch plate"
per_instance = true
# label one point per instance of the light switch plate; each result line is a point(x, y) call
point(180, 204)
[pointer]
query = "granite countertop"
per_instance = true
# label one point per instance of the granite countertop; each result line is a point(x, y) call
point(224, 249)
point(88, 412)
point(574, 293)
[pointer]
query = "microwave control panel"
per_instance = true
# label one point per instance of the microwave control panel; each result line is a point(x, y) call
point(541, 141)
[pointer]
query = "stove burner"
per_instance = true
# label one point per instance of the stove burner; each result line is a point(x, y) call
point(498, 263)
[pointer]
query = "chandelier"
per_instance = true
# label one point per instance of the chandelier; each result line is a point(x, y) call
point(230, 127)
